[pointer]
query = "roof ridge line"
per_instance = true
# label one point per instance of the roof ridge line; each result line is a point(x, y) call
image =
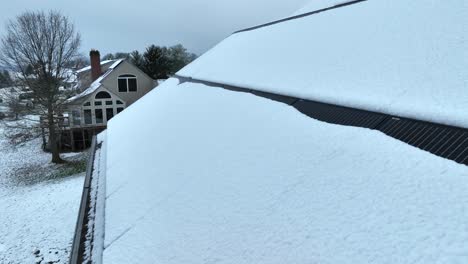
point(299, 16)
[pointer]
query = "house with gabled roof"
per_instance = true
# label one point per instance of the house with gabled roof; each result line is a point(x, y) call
point(105, 89)
point(349, 145)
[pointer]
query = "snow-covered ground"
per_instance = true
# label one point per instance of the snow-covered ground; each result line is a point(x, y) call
point(38, 204)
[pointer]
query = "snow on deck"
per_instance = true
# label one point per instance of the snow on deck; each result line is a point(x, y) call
point(406, 58)
point(227, 177)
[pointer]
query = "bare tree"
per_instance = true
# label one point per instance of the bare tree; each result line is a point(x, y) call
point(39, 45)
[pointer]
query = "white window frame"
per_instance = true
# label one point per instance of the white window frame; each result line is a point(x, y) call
point(92, 107)
point(127, 77)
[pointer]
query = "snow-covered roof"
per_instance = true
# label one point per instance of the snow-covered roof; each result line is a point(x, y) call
point(96, 84)
point(227, 176)
point(70, 76)
point(87, 68)
point(406, 58)
point(320, 4)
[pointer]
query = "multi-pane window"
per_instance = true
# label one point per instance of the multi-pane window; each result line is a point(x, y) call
point(87, 117)
point(100, 110)
point(109, 113)
point(99, 116)
point(127, 83)
point(76, 117)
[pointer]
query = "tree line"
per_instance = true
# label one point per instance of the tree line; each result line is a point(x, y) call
point(159, 62)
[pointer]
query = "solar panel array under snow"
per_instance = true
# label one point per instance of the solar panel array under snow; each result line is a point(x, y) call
point(406, 58)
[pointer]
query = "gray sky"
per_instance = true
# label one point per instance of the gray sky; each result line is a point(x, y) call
point(117, 25)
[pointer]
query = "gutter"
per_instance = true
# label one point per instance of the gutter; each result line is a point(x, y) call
point(79, 239)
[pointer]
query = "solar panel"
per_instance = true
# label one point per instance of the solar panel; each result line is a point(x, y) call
point(444, 141)
point(338, 114)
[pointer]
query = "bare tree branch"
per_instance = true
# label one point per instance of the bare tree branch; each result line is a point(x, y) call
point(39, 46)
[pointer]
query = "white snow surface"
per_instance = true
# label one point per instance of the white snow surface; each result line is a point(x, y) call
point(95, 244)
point(406, 58)
point(40, 217)
point(315, 5)
point(35, 217)
point(225, 177)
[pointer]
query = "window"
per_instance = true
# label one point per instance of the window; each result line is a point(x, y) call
point(103, 95)
point(76, 117)
point(109, 113)
point(108, 102)
point(119, 109)
point(119, 102)
point(98, 103)
point(127, 83)
point(87, 117)
point(99, 118)
point(87, 104)
point(132, 85)
point(123, 85)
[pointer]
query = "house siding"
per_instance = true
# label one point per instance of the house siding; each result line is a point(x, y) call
point(144, 83)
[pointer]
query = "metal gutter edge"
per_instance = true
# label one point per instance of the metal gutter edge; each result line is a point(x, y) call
point(76, 254)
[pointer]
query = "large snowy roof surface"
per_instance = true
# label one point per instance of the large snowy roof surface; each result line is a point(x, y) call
point(315, 5)
point(227, 177)
point(407, 58)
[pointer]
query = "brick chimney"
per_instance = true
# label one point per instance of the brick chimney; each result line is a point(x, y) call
point(95, 58)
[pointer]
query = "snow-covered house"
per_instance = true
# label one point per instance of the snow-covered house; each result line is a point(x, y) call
point(106, 89)
point(351, 147)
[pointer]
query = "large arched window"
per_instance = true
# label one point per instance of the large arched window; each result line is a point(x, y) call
point(127, 83)
point(100, 110)
point(103, 95)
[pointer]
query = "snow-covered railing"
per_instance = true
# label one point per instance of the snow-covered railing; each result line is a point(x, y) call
point(76, 255)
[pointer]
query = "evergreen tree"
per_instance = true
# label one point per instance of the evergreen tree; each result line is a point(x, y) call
point(162, 62)
point(137, 59)
point(156, 62)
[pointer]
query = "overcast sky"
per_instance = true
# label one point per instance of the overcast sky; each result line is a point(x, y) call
point(117, 25)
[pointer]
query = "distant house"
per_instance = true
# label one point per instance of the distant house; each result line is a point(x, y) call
point(106, 89)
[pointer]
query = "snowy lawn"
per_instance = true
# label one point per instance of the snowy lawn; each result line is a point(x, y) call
point(38, 203)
